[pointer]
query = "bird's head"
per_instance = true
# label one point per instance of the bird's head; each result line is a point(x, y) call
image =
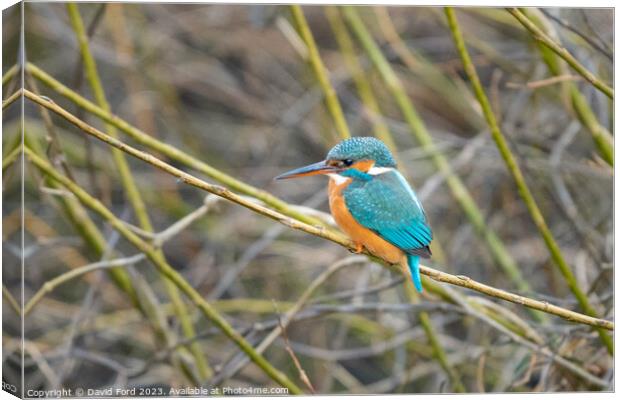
point(355, 155)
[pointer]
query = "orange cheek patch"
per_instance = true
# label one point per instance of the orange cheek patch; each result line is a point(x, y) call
point(364, 165)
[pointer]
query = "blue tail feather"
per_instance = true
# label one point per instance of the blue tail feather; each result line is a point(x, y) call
point(414, 267)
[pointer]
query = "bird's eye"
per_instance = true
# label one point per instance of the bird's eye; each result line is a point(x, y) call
point(347, 162)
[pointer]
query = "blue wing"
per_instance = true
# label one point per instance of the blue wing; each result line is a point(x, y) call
point(387, 205)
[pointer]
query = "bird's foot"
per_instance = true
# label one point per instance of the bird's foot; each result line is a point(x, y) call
point(359, 248)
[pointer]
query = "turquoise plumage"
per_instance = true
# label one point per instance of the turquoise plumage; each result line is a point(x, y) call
point(414, 267)
point(386, 204)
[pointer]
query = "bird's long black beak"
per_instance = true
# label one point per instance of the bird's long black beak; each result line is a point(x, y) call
point(319, 168)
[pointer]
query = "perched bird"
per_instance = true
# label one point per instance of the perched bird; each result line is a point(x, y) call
point(373, 203)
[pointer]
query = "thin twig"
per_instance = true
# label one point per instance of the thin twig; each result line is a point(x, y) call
point(480, 372)
point(54, 149)
point(11, 99)
point(302, 373)
point(582, 35)
point(12, 302)
point(293, 37)
point(593, 31)
point(9, 74)
point(528, 374)
point(50, 285)
point(11, 157)
point(543, 82)
point(160, 238)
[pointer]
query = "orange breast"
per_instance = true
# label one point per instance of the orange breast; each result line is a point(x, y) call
point(357, 232)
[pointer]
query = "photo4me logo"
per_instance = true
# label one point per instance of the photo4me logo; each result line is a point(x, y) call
point(227, 390)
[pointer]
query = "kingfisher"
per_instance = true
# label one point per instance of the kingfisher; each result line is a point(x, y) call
point(372, 202)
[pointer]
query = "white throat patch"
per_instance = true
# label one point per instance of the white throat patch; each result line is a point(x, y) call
point(379, 170)
point(339, 179)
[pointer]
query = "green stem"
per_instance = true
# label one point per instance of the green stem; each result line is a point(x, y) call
point(11, 99)
point(513, 167)
point(11, 300)
point(331, 99)
point(11, 157)
point(9, 74)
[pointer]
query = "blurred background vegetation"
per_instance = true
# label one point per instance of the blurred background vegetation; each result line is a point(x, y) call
point(236, 87)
